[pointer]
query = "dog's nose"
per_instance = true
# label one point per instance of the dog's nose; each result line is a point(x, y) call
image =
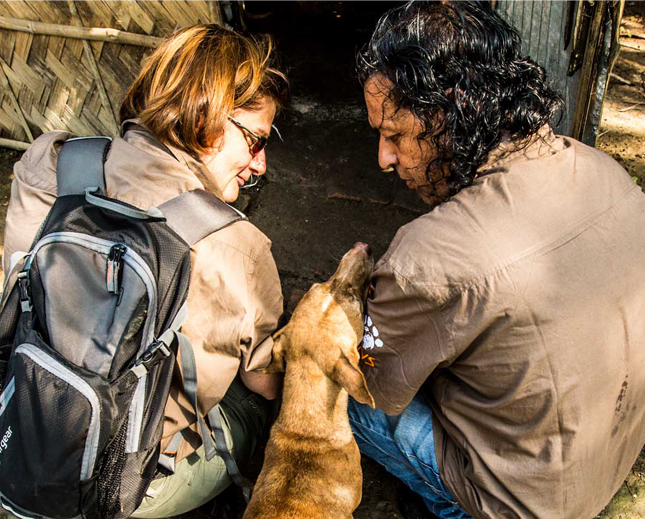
point(363, 246)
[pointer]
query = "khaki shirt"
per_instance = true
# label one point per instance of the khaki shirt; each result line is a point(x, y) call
point(235, 297)
point(517, 308)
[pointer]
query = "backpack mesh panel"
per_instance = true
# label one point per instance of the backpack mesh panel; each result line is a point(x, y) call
point(139, 472)
point(130, 341)
point(35, 386)
point(110, 474)
point(38, 302)
point(8, 324)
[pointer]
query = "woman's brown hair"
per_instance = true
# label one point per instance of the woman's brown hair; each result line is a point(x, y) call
point(196, 78)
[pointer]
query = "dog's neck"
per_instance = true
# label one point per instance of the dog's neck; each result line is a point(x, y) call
point(313, 404)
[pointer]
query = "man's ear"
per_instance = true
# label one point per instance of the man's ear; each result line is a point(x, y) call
point(277, 361)
point(351, 378)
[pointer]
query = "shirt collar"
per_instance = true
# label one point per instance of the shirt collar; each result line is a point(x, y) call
point(540, 144)
point(183, 157)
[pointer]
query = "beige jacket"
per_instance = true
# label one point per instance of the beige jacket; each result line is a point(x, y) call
point(235, 297)
point(517, 309)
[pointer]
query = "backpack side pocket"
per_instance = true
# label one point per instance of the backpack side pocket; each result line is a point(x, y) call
point(58, 418)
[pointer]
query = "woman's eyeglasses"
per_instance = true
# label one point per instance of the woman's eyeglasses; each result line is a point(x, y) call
point(258, 144)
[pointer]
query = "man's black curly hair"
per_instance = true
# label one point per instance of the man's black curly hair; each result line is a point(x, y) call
point(457, 67)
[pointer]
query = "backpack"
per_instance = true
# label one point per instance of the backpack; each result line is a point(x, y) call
point(89, 335)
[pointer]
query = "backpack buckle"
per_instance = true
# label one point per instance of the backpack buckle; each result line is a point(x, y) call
point(24, 286)
point(157, 351)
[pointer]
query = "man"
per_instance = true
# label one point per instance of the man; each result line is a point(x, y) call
point(504, 341)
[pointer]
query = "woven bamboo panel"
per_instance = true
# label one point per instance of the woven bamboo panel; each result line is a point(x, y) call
point(54, 84)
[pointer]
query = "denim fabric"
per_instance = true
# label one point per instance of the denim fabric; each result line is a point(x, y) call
point(404, 445)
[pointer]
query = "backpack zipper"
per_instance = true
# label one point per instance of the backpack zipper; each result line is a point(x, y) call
point(113, 270)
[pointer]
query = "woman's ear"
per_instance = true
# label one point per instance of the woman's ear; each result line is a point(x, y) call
point(276, 365)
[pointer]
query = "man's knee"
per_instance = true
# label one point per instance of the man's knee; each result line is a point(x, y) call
point(369, 425)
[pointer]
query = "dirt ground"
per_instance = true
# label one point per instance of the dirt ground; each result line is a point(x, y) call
point(622, 130)
point(324, 191)
point(621, 135)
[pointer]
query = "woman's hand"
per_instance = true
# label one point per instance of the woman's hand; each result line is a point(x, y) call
point(269, 386)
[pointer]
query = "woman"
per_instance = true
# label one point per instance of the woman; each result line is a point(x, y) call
point(197, 117)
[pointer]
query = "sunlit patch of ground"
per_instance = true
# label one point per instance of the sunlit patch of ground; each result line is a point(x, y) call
point(622, 135)
point(622, 130)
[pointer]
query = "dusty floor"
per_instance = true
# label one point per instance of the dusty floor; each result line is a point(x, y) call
point(621, 135)
point(622, 131)
point(324, 190)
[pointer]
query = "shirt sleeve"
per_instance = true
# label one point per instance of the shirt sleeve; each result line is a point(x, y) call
point(405, 338)
point(264, 308)
point(33, 192)
point(234, 303)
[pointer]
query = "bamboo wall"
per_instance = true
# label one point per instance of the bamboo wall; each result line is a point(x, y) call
point(64, 80)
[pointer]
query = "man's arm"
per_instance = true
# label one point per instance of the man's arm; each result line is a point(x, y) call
point(405, 338)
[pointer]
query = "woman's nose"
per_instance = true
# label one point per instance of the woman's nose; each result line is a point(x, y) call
point(258, 165)
point(387, 157)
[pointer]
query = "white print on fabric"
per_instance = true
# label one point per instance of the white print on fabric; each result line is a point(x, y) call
point(371, 335)
point(4, 443)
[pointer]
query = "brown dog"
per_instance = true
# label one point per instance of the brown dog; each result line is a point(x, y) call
point(312, 465)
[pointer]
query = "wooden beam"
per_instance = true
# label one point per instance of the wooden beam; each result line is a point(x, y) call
point(589, 70)
point(214, 12)
point(14, 145)
point(81, 33)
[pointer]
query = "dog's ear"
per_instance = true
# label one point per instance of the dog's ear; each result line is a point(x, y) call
point(351, 378)
point(277, 361)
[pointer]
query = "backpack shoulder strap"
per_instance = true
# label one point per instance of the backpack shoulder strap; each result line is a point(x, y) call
point(194, 215)
point(80, 165)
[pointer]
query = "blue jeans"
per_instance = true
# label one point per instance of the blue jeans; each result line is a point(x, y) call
point(404, 445)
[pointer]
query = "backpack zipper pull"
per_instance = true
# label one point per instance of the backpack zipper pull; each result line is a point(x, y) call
point(114, 268)
point(24, 287)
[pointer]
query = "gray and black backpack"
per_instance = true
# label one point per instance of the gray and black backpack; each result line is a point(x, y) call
point(89, 335)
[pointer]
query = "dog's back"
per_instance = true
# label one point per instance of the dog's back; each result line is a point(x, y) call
point(312, 463)
point(309, 478)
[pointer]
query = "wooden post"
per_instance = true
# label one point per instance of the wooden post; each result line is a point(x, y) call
point(214, 11)
point(589, 71)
